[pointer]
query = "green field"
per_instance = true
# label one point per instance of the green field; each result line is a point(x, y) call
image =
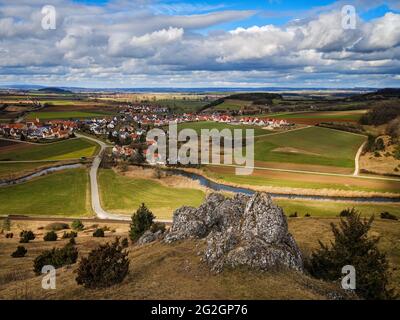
point(353, 115)
point(121, 194)
point(9, 170)
point(313, 145)
point(59, 102)
point(62, 193)
point(63, 150)
point(49, 115)
point(197, 126)
point(180, 105)
point(232, 105)
point(333, 208)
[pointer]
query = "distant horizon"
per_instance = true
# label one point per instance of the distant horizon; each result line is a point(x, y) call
point(20, 86)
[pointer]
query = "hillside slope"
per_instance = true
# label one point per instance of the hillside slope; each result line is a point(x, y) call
point(175, 271)
point(161, 271)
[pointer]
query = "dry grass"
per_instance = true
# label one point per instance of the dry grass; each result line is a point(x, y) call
point(162, 177)
point(383, 165)
point(161, 271)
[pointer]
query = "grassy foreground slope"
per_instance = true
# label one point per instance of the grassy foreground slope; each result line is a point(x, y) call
point(175, 271)
point(63, 150)
point(122, 194)
point(62, 193)
point(313, 145)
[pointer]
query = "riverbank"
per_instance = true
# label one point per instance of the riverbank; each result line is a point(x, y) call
point(41, 171)
point(291, 192)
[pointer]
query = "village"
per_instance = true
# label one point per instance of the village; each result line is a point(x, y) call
point(127, 129)
point(38, 131)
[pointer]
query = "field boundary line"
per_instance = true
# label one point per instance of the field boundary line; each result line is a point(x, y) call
point(348, 132)
point(38, 143)
point(281, 132)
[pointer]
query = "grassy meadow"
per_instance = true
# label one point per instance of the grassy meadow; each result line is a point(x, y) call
point(122, 194)
point(321, 116)
point(52, 115)
point(232, 105)
point(181, 105)
point(313, 145)
point(63, 193)
point(62, 150)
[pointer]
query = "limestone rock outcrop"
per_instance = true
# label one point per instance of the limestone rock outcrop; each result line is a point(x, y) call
point(243, 230)
point(149, 236)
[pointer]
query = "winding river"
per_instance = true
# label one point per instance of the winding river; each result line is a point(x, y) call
point(223, 187)
point(40, 173)
point(213, 186)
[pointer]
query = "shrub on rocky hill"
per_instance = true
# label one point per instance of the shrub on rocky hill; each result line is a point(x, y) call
point(26, 236)
point(56, 257)
point(141, 222)
point(98, 233)
point(157, 226)
point(50, 236)
point(69, 235)
point(77, 225)
point(389, 216)
point(57, 226)
point(352, 246)
point(19, 253)
point(105, 266)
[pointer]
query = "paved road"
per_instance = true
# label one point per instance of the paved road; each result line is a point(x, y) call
point(357, 159)
point(94, 188)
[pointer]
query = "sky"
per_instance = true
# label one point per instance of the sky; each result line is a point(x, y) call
point(210, 43)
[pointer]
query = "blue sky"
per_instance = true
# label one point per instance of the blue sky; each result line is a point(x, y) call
point(144, 43)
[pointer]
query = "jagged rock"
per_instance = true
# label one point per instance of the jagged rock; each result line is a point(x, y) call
point(149, 236)
point(185, 224)
point(242, 230)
